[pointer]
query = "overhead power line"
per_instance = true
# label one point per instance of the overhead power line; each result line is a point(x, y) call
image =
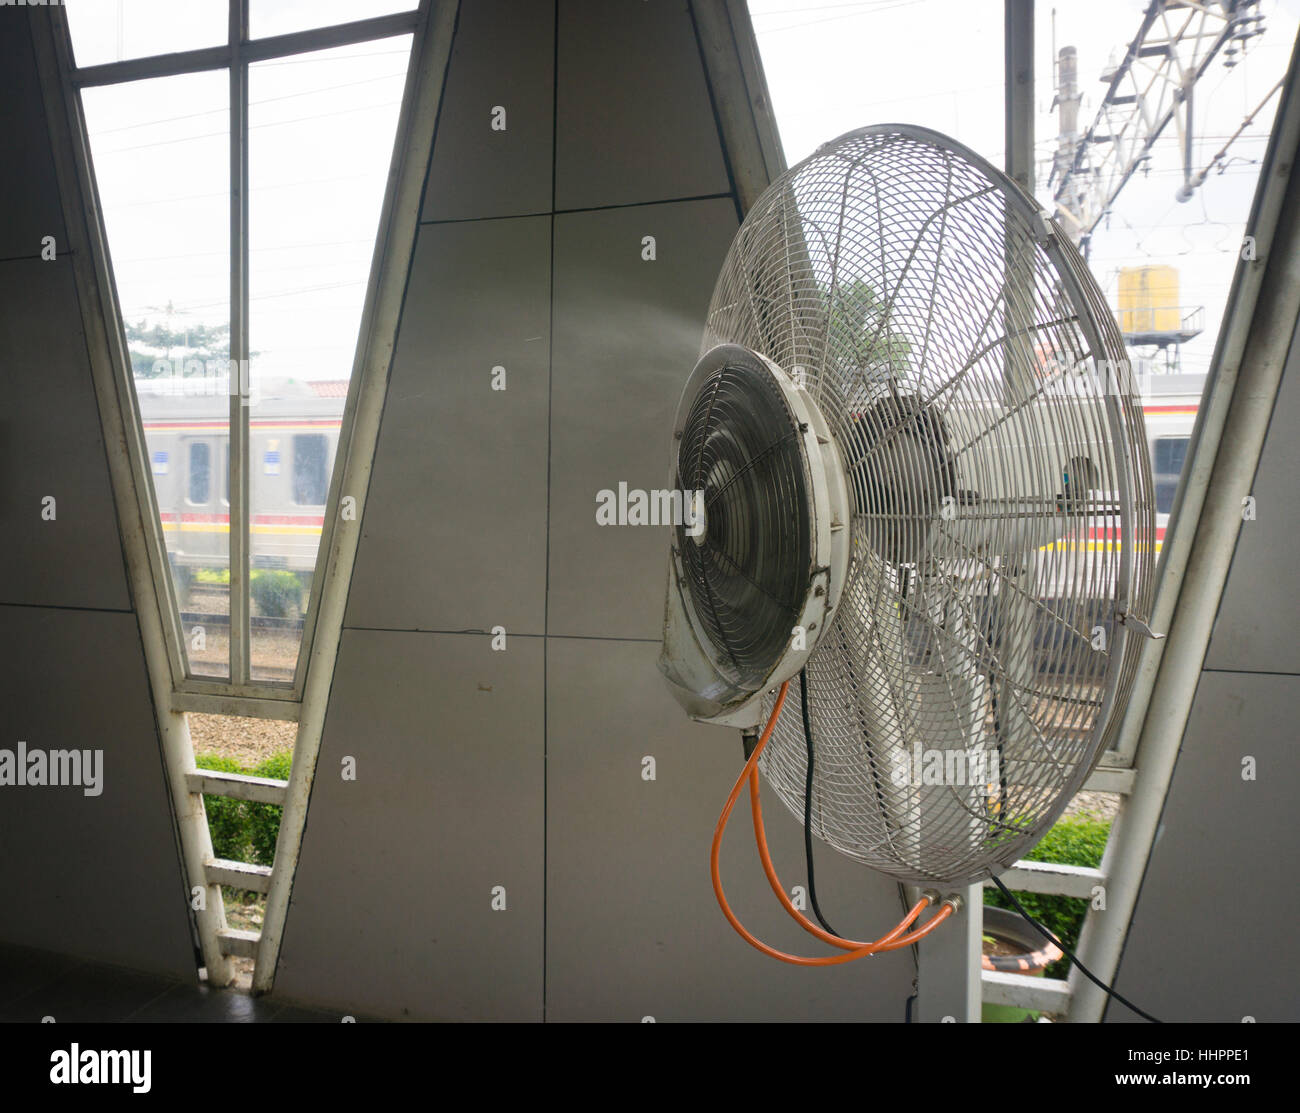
point(1151, 87)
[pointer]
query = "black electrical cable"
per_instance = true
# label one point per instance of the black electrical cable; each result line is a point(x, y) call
point(1082, 969)
point(807, 805)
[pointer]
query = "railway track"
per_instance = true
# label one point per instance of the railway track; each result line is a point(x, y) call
point(287, 629)
point(222, 621)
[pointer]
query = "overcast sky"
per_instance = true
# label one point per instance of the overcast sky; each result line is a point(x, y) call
point(835, 65)
point(321, 130)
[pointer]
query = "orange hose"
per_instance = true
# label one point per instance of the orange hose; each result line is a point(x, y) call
point(887, 942)
point(852, 949)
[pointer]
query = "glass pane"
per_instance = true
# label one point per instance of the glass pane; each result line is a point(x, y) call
point(279, 17)
point(321, 130)
point(161, 157)
point(832, 67)
point(111, 30)
point(1170, 454)
point(1165, 255)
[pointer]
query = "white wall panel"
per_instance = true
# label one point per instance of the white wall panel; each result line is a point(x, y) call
point(627, 333)
point(51, 446)
point(29, 196)
point(94, 876)
point(633, 928)
point(465, 781)
point(1212, 935)
point(392, 909)
point(1256, 629)
point(634, 121)
point(503, 57)
point(454, 532)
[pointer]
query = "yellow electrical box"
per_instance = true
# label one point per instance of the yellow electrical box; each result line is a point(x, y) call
point(1148, 299)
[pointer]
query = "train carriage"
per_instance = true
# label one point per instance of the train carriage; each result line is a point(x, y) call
point(294, 432)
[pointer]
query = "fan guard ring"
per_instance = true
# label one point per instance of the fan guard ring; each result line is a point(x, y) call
point(756, 587)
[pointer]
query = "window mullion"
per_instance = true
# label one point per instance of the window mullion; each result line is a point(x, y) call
point(239, 395)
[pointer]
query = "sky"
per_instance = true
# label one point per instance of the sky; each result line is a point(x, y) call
point(836, 65)
point(322, 129)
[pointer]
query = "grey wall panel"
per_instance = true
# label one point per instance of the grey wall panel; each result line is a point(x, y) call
point(1213, 932)
point(1250, 633)
point(454, 531)
point(391, 911)
point(503, 55)
point(51, 445)
point(29, 196)
point(633, 117)
point(633, 929)
point(627, 333)
point(93, 876)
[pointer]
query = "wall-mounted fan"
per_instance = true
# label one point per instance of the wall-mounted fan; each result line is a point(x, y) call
point(925, 484)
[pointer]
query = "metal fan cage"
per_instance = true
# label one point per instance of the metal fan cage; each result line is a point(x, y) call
point(1003, 523)
point(748, 574)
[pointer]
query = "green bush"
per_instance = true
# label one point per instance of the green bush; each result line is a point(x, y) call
point(242, 830)
point(277, 766)
point(277, 593)
point(1072, 842)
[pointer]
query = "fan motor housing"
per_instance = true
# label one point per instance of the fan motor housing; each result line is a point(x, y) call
point(755, 584)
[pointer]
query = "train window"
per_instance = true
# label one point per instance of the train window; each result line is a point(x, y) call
point(1167, 457)
point(311, 469)
point(1082, 474)
point(200, 472)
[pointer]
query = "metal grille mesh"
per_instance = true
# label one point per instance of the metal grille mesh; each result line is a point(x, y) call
point(977, 388)
point(747, 574)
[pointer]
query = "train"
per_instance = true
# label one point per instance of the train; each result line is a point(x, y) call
point(293, 437)
point(294, 433)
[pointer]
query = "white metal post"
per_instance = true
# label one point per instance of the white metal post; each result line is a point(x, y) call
point(948, 981)
point(1259, 327)
point(393, 251)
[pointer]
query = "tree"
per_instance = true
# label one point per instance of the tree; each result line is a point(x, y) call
point(863, 343)
point(147, 344)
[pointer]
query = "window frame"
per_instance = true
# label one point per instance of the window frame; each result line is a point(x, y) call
point(238, 692)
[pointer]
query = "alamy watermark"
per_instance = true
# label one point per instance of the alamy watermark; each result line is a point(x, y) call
point(635, 507)
point(929, 766)
point(202, 378)
point(112, 1068)
point(24, 768)
point(1088, 377)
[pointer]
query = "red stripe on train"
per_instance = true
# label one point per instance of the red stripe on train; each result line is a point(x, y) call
point(1105, 534)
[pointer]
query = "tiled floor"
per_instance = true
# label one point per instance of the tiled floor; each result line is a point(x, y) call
point(36, 984)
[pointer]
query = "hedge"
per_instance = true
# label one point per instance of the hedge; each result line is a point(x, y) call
point(242, 830)
point(1071, 842)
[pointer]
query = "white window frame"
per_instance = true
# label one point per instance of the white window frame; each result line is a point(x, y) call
point(239, 694)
